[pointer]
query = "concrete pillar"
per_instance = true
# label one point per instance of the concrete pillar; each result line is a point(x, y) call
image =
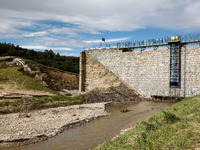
point(82, 71)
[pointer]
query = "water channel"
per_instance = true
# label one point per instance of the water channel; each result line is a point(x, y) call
point(90, 135)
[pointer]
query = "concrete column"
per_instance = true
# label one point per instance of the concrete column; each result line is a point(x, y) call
point(82, 71)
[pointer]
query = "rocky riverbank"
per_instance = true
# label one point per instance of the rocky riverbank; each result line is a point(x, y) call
point(25, 128)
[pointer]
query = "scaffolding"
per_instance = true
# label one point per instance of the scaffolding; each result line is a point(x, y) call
point(175, 68)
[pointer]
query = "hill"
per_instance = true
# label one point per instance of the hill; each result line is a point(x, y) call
point(48, 57)
point(19, 92)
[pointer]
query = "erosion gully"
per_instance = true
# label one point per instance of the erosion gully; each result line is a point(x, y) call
point(90, 135)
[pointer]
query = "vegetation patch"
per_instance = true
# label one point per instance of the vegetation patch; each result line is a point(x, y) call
point(13, 77)
point(177, 127)
point(24, 82)
point(28, 104)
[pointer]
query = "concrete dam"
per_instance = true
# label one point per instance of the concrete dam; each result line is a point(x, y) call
point(146, 72)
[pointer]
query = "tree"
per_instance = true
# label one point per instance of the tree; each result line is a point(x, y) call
point(48, 57)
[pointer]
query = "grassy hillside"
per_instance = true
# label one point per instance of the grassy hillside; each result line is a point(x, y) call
point(9, 75)
point(13, 81)
point(177, 127)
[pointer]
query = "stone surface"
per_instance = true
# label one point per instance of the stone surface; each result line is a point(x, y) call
point(146, 72)
point(103, 84)
point(25, 128)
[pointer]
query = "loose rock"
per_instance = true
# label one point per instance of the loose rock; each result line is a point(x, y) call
point(42, 124)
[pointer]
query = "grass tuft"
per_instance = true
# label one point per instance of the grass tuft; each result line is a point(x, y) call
point(170, 117)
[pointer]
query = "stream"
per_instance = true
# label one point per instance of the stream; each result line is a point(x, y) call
point(96, 132)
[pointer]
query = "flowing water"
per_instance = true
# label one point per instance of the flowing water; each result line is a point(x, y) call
point(90, 135)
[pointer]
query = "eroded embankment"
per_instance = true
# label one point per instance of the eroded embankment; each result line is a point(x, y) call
point(25, 128)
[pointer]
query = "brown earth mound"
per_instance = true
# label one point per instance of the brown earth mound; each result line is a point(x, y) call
point(52, 78)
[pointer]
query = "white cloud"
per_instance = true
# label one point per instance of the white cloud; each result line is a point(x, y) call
point(59, 41)
point(70, 54)
point(33, 34)
point(92, 17)
point(107, 14)
point(107, 40)
point(39, 47)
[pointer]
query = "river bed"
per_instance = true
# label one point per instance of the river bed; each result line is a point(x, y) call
point(90, 135)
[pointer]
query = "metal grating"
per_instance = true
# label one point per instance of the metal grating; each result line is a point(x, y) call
point(175, 68)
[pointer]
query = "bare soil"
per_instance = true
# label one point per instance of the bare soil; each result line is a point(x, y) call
point(12, 91)
point(53, 78)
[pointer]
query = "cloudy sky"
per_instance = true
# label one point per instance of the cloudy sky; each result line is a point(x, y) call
point(65, 26)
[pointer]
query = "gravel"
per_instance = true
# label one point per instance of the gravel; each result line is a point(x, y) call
point(26, 128)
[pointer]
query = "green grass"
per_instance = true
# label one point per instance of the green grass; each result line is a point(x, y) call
point(28, 104)
point(34, 63)
point(14, 76)
point(24, 82)
point(177, 127)
point(59, 97)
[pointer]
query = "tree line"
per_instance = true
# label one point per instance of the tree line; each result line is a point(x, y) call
point(48, 57)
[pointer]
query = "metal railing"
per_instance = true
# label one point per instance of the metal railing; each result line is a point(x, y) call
point(185, 39)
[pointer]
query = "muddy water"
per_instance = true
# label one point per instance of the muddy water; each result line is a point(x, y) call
point(98, 131)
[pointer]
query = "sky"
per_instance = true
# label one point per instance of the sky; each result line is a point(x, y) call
point(66, 26)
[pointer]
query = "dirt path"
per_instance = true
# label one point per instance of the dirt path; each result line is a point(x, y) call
point(26, 128)
point(12, 91)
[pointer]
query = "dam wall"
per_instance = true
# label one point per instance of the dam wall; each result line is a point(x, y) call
point(146, 72)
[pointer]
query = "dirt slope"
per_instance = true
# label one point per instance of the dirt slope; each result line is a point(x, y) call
point(53, 79)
